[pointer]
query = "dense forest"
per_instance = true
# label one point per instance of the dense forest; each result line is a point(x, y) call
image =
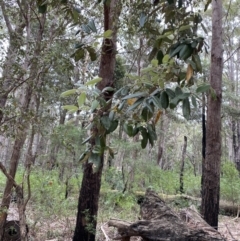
point(101, 100)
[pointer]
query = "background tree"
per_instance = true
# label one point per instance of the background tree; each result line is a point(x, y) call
point(212, 163)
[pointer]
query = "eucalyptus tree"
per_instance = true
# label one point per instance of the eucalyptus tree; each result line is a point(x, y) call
point(231, 78)
point(212, 163)
point(23, 80)
point(166, 82)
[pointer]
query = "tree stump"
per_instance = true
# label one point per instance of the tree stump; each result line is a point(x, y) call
point(160, 223)
point(12, 231)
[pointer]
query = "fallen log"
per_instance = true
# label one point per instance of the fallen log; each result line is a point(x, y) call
point(160, 223)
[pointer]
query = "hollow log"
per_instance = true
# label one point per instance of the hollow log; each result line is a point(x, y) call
point(160, 223)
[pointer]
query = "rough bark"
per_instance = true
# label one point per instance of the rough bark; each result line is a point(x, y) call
point(90, 189)
point(182, 165)
point(161, 223)
point(211, 175)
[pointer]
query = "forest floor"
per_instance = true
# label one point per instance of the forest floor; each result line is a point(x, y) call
point(56, 229)
point(62, 230)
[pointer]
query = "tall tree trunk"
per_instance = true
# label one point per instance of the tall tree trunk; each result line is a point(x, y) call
point(85, 229)
point(203, 137)
point(211, 175)
point(181, 189)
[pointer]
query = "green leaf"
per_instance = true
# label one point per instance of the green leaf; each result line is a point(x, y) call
point(86, 29)
point(154, 62)
point(92, 53)
point(113, 126)
point(107, 34)
point(165, 59)
point(110, 89)
point(194, 102)
point(184, 27)
point(189, 61)
point(42, 8)
point(142, 19)
point(135, 130)
point(128, 128)
point(178, 91)
point(93, 81)
point(186, 108)
point(164, 100)
point(81, 99)
point(146, 114)
point(121, 105)
point(75, 14)
point(71, 108)
point(149, 106)
point(86, 140)
point(176, 50)
point(151, 134)
point(79, 54)
point(207, 4)
point(197, 61)
point(170, 93)
point(194, 44)
point(170, 2)
point(185, 52)
point(202, 88)
point(85, 155)
point(136, 104)
point(92, 26)
point(183, 96)
point(111, 115)
point(78, 45)
point(156, 101)
point(68, 92)
point(135, 95)
point(160, 57)
point(144, 140)
point(106, 122)
point(94, 105)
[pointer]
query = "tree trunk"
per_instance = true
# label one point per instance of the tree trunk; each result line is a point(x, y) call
point(159, 222)
point(211, 175)
point(8, 81)
point(90, 189)
point(182, 165)
point(22, 127)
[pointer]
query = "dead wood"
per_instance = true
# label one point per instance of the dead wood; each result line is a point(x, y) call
point(160, 223)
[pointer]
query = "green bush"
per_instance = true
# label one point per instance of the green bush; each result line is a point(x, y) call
point(230, 183)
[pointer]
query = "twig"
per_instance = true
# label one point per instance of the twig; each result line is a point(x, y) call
point(104, 232)
point(230, 233)
point(9, 177)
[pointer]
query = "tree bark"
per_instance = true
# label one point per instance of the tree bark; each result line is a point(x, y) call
point(182, 165)
point(211, 175)
point(160, 223)
point(90, 189)
point(7, 82)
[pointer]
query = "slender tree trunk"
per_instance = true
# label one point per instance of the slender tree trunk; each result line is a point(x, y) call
point(181, 189)
point(211, 176)
point(7, 82)
point(25, 97)
point(203, 137)
point(85, 229)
